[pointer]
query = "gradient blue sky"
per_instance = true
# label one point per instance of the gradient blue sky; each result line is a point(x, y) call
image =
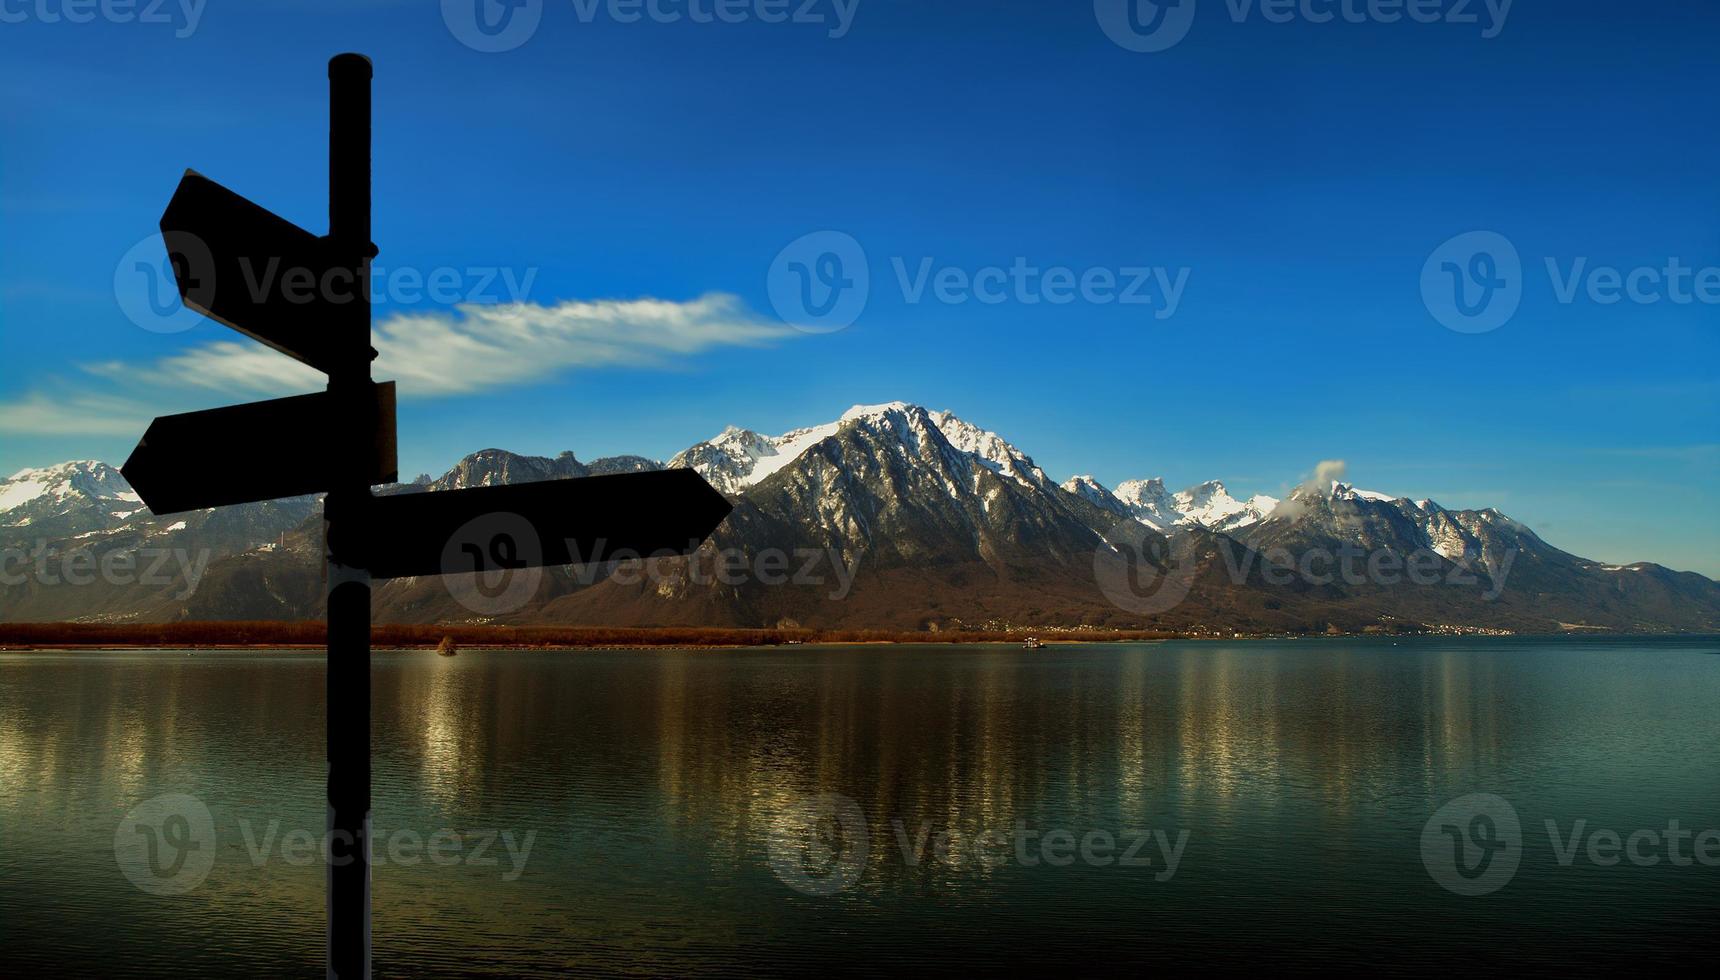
point(1302, 173)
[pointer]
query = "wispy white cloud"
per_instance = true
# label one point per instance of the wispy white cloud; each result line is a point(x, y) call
point(80, 414)
point(488, 346)
point(236, 366)
point(470, 349)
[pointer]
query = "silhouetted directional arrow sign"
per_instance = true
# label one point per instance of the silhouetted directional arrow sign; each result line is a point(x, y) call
point(556, 522)
point(256, 451)
point(308, 297)
point(257, 272)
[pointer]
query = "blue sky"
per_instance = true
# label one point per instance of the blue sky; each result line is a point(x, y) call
point(639, 179)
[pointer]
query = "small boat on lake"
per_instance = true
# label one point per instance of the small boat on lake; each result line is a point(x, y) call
point(446, 648)
point(1033, 643)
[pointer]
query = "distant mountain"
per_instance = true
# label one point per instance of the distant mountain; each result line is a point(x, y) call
point(491, 467)
point(895, 517)
point(85, 508)
point(1207, 505)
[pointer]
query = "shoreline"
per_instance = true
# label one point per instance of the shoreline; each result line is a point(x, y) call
point(312, 636)
point(667, 643)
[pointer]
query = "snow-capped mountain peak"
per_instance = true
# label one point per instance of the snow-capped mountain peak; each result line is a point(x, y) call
point(1207, 505)
point(33, 493)
point(992, 450)
point(1095, 493)
point(1149, 502)
point(1345, 491)
point(1211, 505)
point(740, 458)
point(876, 411)
point(935, 505)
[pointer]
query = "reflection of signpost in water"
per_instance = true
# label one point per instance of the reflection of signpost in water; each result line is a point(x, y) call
point(238, 264)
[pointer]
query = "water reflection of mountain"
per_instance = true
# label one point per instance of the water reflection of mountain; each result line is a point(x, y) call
point(715, 743)
point(974, 742)
point(655, 782)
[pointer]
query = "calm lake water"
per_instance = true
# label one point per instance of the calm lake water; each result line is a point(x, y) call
point(823, 810)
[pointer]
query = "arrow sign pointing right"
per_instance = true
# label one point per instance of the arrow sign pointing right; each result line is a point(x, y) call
point(556, 522)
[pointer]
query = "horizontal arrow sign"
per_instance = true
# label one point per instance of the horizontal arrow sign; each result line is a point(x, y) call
point(262, 275)
point(259, 451)
point(556, 522)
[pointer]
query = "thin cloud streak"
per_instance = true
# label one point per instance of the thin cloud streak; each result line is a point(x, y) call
point(38, 414)
point(490, 346)
point(436, 354)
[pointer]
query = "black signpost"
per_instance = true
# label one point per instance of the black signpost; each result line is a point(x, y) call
point(308, 297)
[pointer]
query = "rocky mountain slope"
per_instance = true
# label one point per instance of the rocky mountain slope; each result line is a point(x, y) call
point(893, 517)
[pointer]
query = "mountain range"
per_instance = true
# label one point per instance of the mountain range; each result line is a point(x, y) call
point(889, 517)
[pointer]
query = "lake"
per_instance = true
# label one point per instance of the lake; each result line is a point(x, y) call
point(1418, 806)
